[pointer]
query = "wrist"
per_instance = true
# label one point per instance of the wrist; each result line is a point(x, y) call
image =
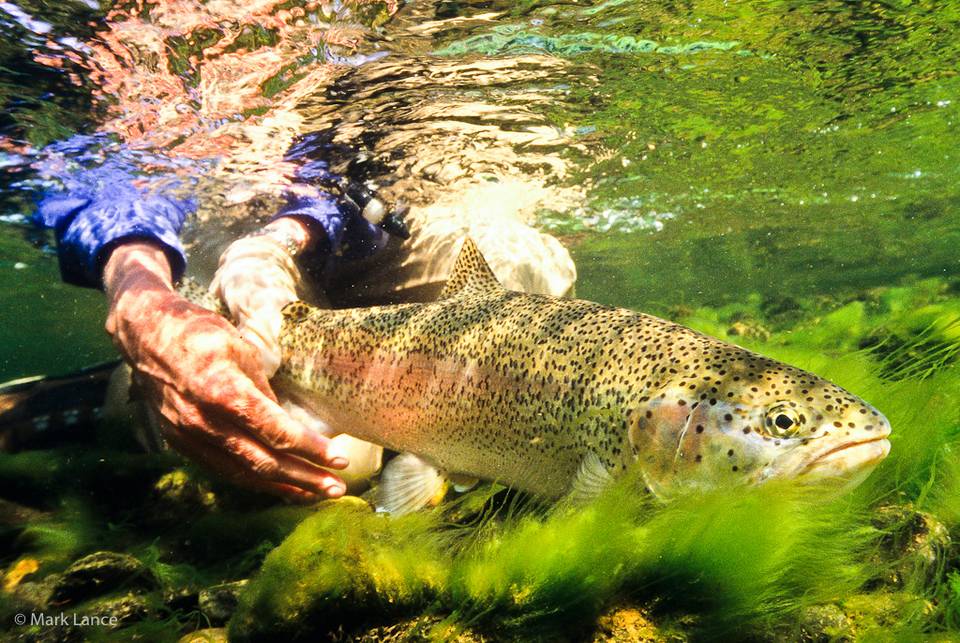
point(295, 234)
point(136, 267)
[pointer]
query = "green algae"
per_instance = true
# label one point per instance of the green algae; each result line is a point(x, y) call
point(736, 558)
point(341, 566)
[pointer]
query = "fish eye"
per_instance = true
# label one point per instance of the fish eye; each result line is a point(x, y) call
point(782, 420)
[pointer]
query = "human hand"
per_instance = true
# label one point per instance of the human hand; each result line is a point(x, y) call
point(256, 278)
point(207, 386)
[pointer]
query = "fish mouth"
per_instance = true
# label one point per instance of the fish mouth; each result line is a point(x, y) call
point(847, 458)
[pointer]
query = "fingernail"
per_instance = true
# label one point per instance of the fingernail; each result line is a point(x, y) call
point(339, 463)
point(335, 490)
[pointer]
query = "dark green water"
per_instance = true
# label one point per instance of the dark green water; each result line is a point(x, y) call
point(718, 149)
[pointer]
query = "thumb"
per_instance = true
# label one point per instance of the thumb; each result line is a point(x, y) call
point(263, 333)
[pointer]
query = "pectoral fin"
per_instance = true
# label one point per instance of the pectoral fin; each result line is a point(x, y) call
point(408, 484)
point(591, 479)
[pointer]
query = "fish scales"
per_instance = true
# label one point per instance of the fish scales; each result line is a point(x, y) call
point(496, 382)
point(525, 389)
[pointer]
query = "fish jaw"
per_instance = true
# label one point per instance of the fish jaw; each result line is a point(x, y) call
point(849, 462)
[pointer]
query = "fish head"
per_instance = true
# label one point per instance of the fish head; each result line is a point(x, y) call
point(746, 419)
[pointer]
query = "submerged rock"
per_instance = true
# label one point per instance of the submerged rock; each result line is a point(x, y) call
point(915, 547)
point(218, 603)
point(628, 624)
point(182, 599)
point(18, 571)
point(13, 519)
point(209, 635)
point(120, 611)
point(342, 566)
point(823, 624)
point(35, 594)
point(421, 629)
point(13, 514)
point(54, 634)
point(877, 612)
point(98, 574)
point(178, 495)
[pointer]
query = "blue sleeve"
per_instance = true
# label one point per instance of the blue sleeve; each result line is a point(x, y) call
point(341, 230)
point(98, 208)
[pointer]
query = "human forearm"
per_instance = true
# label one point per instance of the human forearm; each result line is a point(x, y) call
point(137, 281)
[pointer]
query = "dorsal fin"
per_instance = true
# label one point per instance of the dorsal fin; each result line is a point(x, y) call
point(470, 271)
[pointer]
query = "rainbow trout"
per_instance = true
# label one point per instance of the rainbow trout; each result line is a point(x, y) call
point(558, 396)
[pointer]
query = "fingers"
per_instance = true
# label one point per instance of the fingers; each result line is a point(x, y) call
point(266, 420)
point(208, 383)
point(244, 461)
point(282, 468)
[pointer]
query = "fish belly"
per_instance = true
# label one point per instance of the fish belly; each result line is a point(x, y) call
point(460, 420)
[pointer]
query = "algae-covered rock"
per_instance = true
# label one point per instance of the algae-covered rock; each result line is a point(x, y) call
point(875, 612)
point(209, 635)
point(421, 629)
point(342, 566)
point(627, 623)
point(177, 494)
point(824, 623)
point(915, 547)
point(18, 571)
point(13, 514)
point(34, 594)
point(218, 603)
point(181, 599)
point(118, 611)
point(98, 574)
point(59, 633)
